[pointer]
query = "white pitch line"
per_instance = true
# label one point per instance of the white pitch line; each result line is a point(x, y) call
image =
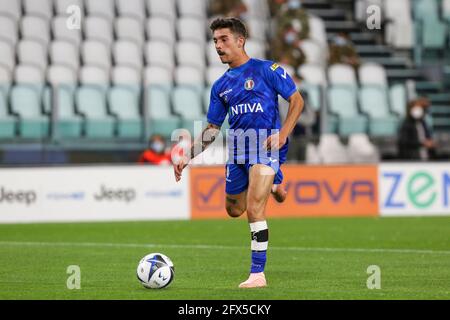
point(201, 246)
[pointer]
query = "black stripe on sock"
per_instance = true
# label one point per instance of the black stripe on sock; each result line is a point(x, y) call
point(260, 236)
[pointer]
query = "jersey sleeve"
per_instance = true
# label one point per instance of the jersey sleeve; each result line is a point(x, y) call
point(217, 110)
point(280, 80)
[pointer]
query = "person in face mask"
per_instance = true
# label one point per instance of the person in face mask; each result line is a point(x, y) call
point(415, 137)
point(343, 51)
point(156, 153)
point(292, 13)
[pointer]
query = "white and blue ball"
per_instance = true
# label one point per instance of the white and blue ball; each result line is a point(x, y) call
point(155, 271)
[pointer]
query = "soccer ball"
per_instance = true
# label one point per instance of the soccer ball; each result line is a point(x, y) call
point(155, 271)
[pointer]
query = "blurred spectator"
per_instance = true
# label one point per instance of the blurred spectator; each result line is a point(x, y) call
point(156, 153)
point(291, 13)
point(228, 8)
point(286, 48)
point(415, 136)
point(343, 51)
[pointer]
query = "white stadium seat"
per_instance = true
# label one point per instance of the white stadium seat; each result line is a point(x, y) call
point(160, 29)
point(372, 74)
point(61, 6)
point(211, 54)
point(32, 53)
point(399, 32)
point(101, 8)
point(130, 29)
point(192, 8)
point(159, 53)
point(95, 53)
point(165, 9)
point(66, 54)
point(8, 30)
point(331, 150)
point(40, 8)
point(35, 28)
point(257, 29)
point(215, 72)
point(191, 29)
point(99, 29)
point(11, 9)
point(131, 8)
point(127, 53)
point(158, 76)
point(94, 76)
point(254, 49)
point(341, 74)
point(26, 74)
point(317, 32)
point(257, 9)
point(61, 32)
point(190, 54)
point(313, 74)
point(313, 51)
point(57, 74)
point(5, 80)
point(7, 59)
point(189, 76)
point(126, 76)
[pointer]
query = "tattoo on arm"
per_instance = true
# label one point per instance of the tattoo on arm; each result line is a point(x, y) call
point(207, 137)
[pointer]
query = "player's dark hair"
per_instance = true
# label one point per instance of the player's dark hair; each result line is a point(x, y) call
point(235, 25)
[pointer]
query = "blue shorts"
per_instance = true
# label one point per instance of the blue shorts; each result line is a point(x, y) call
point(236, 177)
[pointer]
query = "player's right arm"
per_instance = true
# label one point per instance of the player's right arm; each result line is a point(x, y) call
point(207, 137)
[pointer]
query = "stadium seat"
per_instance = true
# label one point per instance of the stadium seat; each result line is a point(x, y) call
point(191, 29)
point(398, 99)
point(131, 30)
point(160, 29)
point(187, 103)
point(124, 98)
point(342, 101)
point(213, 73)
point(190, 77)
point(254, 49)
point(433, 34)
point(331, 149)
point(341, 74)
point(63, 81)
point(314, 53)
point(40, 8)
point(8, 31)
point(372, 74)
point(314, 83)
point(165, 9)
point(11, 9)
point(5, 81)
point(98, 29)
point(7, 59)
point(257, 29)
point(134, 9)
point(101, 8)
point(61, 6)
point(374, 102)
point(160, 77)
point(425, 10)
point(190, 54)
point(361, 150)
point(66, 54)
point(7, 122)
point(160, 118)
point(318, 33)
point(257, 9)
point(32, 53)
point(399, 32)
point(91, 75)
point(192, 8)
point(159, 53)
point(446, 9)
point(127, 53)
point(62, 33)
point(35, 28)
point(30, 75)
point(211, 54)
point(95, 53)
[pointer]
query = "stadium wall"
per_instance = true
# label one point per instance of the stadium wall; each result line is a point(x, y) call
point(111, 193)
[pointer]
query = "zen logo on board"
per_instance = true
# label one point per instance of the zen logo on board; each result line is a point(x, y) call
point(414, 189)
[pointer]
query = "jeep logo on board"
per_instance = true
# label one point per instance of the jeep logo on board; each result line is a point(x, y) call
point(20, 196)
point(109, 194)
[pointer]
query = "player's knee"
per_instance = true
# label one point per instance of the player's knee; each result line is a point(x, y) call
point(254, 210)
point(234, 211)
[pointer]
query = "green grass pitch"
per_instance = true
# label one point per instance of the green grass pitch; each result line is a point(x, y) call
point(311, 258)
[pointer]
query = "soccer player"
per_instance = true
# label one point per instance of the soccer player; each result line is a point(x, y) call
point(248, 92)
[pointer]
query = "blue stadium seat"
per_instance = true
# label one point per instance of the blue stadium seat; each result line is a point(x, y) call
point(342, 103)
point(26, 102)
point(124, 102)
point(374, 102)
point(187, 103)
point(7, 122)
point(398, 99)
point(91, 102)
point(160, 118)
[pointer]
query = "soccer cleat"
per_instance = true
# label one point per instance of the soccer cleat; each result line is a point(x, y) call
point(278, 193)
point(255, 280)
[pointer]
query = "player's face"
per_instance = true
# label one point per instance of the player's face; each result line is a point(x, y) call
point(228, 46)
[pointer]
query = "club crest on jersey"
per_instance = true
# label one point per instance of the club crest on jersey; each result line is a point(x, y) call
point(249, 84)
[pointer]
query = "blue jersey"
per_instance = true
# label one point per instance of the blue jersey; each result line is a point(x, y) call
point(249, 95)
